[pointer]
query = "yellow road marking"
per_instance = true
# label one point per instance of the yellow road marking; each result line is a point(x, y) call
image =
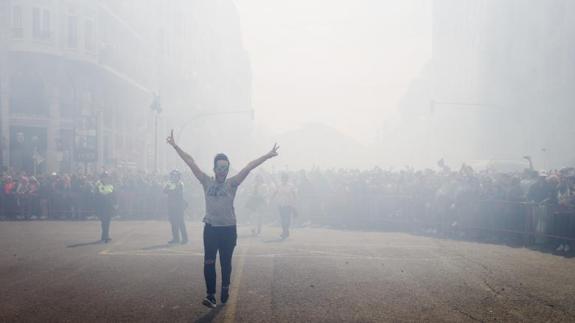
point(119, 243)
point(230, 314)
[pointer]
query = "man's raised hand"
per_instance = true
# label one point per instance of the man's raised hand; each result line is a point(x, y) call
point(170, 140)
point(274, 151)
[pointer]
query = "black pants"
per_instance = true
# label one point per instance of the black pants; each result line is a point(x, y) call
point(222, 239)
point(178, 227)
point(105, 220)
point(285, 215)
point(105, 211)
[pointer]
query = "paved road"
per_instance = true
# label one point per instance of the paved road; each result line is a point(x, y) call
point(50, 271)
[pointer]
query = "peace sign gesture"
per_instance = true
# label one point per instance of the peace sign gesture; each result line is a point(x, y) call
point(170, 140)
point(274, 151)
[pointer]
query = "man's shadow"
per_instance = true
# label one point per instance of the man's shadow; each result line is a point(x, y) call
point(210, 316)
point(278, 240)
point(84, 244)
point(161, 246)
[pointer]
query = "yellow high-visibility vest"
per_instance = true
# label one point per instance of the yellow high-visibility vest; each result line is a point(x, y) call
point(105, 189)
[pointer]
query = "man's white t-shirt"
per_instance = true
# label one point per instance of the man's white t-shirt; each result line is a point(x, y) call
point(220, 201)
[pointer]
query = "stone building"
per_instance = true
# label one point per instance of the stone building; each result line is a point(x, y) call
point(78, 79)
point(498, 85)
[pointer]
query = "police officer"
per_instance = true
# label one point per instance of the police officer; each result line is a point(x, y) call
point(106, 204)
point(176, 205)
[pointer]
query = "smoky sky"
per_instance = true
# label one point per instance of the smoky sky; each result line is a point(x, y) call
point(342, 63)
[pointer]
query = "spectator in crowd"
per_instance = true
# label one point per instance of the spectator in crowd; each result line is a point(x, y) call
point(285, 197)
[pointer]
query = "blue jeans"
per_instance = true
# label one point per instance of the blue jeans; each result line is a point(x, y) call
point(222, 239)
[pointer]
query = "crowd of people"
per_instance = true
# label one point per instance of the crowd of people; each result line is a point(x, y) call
point(528, 206)
point(525, 205)
point(73, 196)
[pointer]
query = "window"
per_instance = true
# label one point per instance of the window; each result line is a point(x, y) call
point(36, 32)
point(40, 23)
point(89, 35)
point(72, 31)
point(46, 23)
point(17, 28)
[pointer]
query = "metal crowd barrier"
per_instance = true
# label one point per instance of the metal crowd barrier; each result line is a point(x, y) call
point(79, 206)
point(529, 223)
point(525, 222)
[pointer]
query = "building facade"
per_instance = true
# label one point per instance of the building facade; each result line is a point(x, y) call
point(78, 79)
point(498, 83)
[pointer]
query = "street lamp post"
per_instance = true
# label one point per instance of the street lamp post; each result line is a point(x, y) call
point(157, 108)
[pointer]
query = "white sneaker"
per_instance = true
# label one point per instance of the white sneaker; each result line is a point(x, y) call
point(567, 248)
point(560, 248)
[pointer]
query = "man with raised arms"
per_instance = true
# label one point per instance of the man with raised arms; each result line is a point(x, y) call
point(220, 232)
